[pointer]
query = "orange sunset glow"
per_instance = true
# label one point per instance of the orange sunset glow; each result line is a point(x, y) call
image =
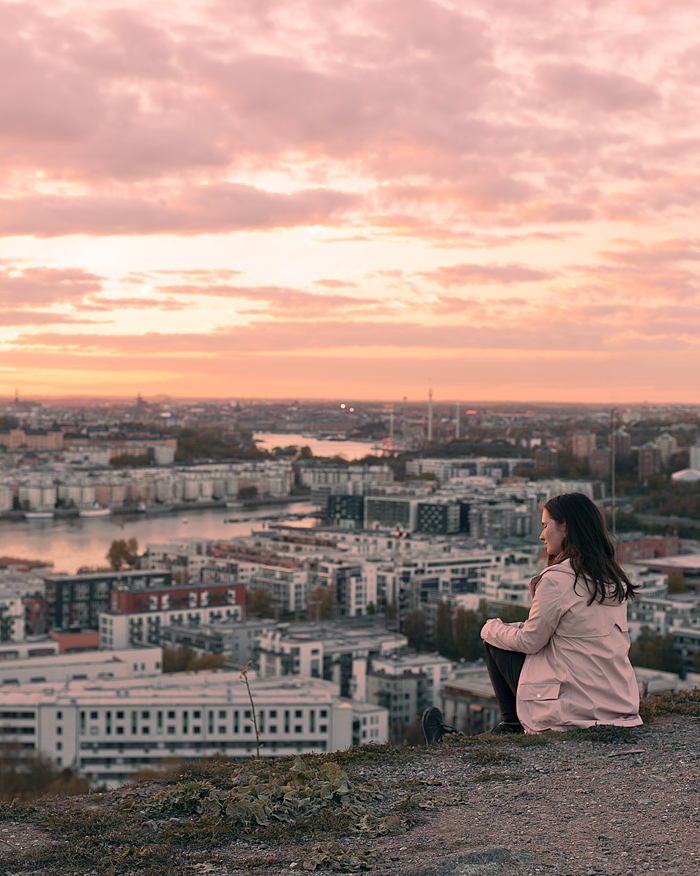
point(266, 198)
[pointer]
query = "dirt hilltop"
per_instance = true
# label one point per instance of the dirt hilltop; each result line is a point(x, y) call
point(602, 801)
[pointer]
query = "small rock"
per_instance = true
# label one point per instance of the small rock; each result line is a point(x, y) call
point(151, 826)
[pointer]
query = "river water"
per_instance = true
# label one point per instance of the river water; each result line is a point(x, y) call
point(83, 541)
point(318, 446)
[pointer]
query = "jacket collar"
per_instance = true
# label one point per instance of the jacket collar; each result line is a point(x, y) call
point(561, 564)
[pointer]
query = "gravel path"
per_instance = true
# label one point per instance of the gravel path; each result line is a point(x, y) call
point(567, 808)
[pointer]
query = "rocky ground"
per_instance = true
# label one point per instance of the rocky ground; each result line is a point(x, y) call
point(605, 801)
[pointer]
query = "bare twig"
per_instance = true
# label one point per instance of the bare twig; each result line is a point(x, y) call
point(244, 677)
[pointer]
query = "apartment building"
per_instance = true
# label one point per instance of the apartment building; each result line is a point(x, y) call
point(137, 618)
point(112, 728)
point(236, 640)
point(54, 667)
point(75, 601)
point(341, 654)
point(407, 684)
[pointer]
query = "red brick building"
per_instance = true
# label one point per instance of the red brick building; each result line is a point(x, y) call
point(648, 547)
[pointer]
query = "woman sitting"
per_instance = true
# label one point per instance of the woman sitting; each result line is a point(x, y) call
point(567, 665)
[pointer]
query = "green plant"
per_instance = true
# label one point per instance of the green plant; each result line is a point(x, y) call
point(682, 702)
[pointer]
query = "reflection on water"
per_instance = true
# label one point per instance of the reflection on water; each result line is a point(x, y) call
point(79, 541)
point(318, 446)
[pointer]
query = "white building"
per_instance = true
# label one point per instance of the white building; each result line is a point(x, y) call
point(112, 728)
point(341, 654)
point(56, 667)
point(37, 496)
point(131, 629)
point(695, 457)
point(11, 615)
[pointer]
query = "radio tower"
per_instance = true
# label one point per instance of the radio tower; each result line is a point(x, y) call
point(457, 422)
point(430, 414)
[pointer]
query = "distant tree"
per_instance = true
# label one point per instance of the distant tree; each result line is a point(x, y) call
point(467, 626)
point(248, 492)
point(206, 661)
point(415, 629)
point(676, 583)
point(371, 608)
point(176, 659)
point(322, 603)
point(26, 774)
point(181, 577)
point(305, 453)
point(183, 659)
point(122, 553)
point(511, 614)
point(654, 651)
point(443, 635)
point(259, 603)
point(126, 460)
point(390, 612)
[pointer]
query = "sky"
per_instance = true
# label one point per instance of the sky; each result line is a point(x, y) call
point(351, 199)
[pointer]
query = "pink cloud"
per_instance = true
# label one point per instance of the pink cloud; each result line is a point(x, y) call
point(223, 207)
point(571, 83)
point(47, 285)
point(335, 284)
point(484, 275)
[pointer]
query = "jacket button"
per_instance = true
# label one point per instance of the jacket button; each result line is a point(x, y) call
point(539, 695)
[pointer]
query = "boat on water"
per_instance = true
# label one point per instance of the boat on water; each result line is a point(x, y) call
point(38, 515)
point(95, 511)
point(159, 509)
point(234, 503)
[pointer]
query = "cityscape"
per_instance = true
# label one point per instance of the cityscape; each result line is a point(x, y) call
point(204, 537)
point(309, 311)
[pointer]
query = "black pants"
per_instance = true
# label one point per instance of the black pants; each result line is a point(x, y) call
point(504, 671)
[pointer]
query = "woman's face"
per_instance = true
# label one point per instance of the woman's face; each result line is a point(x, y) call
point(553, 534)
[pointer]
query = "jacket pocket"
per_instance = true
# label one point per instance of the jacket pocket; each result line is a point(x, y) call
point(539, 690)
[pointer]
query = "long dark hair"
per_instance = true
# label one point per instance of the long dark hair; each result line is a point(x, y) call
point(589, 547)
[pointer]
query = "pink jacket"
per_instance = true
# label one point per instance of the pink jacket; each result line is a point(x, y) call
point(577, 672)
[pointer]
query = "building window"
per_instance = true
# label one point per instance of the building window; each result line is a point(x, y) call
point(273, 713)
point(59, 731)
point(59, 716)
point(222, 730)
point(222, 714)
point(298, 728)
point(323, 713)
point(196, 715)
point(171, 731)
point(120, 716)
point(93, 716)
point(272, 728)
point(120, 731)
point(298, 713)
point(196, 729)
point(145, 716)
point(145, 730)
point(59, 746)
point(323, 728)
point(171, 716)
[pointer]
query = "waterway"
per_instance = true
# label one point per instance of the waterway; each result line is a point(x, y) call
point(319, 446)
point(73, 542)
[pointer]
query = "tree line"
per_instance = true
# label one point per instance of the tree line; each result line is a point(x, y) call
point(456, 634)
